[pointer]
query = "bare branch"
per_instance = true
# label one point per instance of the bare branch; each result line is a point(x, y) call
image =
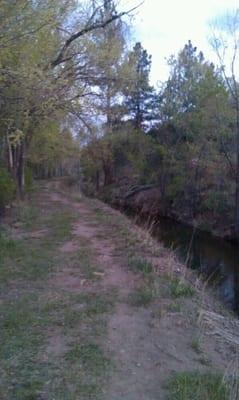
point(87, 29)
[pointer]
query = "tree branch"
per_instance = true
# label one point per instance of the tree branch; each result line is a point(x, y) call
point(87, 29)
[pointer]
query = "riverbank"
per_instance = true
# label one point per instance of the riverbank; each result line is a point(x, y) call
point(146, 200)
point(94, 308)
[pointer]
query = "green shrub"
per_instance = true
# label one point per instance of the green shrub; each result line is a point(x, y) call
point(7, 188)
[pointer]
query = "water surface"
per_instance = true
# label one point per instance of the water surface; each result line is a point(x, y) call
point(215, 258)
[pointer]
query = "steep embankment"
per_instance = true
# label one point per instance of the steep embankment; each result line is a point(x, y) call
point(146, 200)
point(93, 308)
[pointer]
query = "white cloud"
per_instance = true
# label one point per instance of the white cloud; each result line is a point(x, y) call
point(164, 27)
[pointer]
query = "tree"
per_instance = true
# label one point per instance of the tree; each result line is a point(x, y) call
point(46, 68)
point(108, 50)
point(140, 97)
point(194, 116)
point(225, 42)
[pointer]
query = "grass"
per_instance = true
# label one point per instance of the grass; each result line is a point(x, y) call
point(61, 224)
point(140, 265)
point(196, 346)
point(28, 311)
point(178, 288)
point(26, 215)
point(99, 304)
point(174, 307)
point(142, 296)
point(88, 356)
point(145, 294)
point(196, 386)
point(83, 259)
point(7, 244)
point(21, 339)
point(19, 260)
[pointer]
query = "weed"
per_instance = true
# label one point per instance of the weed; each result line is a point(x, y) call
point(178, 288)
point(27, 215)
point(196, 386)
point(82, 259)
point(174, 307)
point(61, 224)
point(205, 361)
point(27, 390)
point(98, 305)
point(140, 265)
point(21, 338)
point(196, 345)
point(158, 313)
point(142, 296)
point(7, 244)
point(90, 356)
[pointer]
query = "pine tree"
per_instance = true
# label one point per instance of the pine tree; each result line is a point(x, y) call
point(139, 94)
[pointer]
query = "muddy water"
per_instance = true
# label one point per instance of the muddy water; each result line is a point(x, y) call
point(216, 259)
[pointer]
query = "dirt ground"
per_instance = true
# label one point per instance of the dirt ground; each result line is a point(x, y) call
point(112, 284)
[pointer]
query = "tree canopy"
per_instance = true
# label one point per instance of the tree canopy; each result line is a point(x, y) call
point(76, 97)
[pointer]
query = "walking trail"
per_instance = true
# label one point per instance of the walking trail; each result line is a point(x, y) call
point(116, 324)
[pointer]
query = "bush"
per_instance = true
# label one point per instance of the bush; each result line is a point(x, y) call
point(216, 201)
point(7, 188)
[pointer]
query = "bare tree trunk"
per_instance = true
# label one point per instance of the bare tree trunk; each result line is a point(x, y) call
point(21, 169)
point(97, 177)
point(237, 176)
point(108, 108)
point(108, 174)
point(10, 155)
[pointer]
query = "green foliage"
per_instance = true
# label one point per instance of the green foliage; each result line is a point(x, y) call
point(7, 188)
point(49, 82)
point(140, 99)
point(196, 386)
point(187, 153)
point(178, 288)
point(40, 85)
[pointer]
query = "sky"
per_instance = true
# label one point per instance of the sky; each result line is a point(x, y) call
point(165, 26)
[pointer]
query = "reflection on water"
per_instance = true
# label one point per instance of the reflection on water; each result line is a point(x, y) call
point(215, 258)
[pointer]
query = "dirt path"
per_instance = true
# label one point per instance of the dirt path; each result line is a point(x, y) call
point(145, 349)
point(130, 339)
point(116, 323)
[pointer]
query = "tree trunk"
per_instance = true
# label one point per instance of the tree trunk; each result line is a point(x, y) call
point(108, 174)
point(237, 177)
point(97, 179)
point(21, 169)
point(108, 108)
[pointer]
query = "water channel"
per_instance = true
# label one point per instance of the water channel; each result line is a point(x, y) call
point(216, 259)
